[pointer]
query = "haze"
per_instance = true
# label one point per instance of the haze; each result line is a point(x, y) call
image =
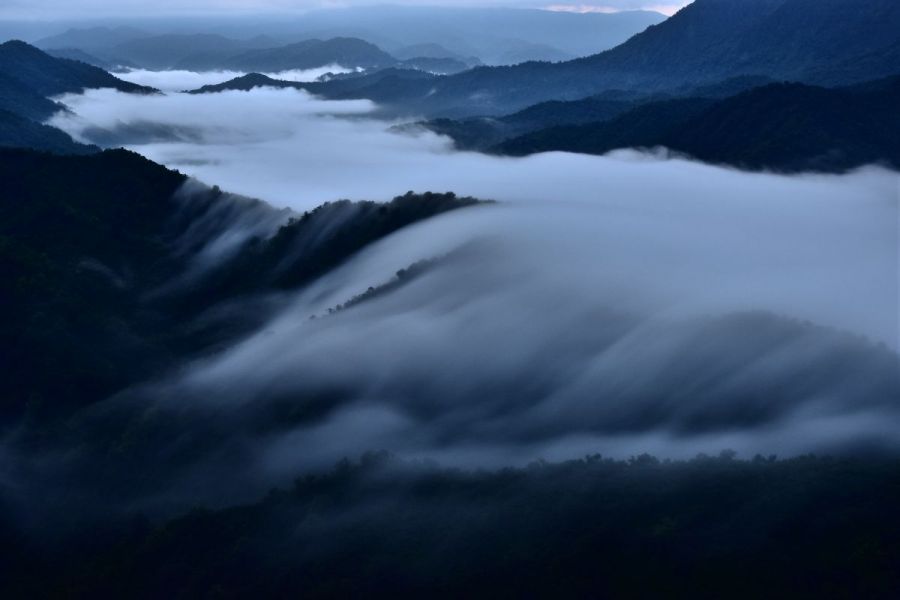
point(780, 291)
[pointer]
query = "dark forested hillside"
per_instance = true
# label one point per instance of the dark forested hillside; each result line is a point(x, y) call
point(100, 255)
point(19, 132)
point(245, 83)
point(785, 127)
point(80, 240)
point(19, 99)
point(393, 82)
point(705, 528)
point(481, 133)
point(50, 76)
point(28, 78)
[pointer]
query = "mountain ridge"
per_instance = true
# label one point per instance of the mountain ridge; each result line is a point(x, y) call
point(706, 42)
point(779, 126)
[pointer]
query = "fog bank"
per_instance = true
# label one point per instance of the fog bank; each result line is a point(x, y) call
point(621, 304)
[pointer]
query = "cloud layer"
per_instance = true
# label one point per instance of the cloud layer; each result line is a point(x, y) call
point(615, 304)
point(292, 150)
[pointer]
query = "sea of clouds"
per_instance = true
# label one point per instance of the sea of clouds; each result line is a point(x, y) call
point(619, 304)
point(182, 80)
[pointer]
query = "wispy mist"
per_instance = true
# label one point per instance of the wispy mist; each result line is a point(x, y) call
point(615, 304)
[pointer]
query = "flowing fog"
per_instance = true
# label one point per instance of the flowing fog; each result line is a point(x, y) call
point(616, 304)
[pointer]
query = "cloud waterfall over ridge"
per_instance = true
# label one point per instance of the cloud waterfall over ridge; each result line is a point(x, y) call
point(616, 304)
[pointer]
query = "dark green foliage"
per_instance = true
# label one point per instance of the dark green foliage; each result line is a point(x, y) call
point(246, 83)
point(795, 127)
point(19, 99)
point(643, 126)
point(27, 77)
point(90, 248)
point(784, 127)
point(309, 246)
point(79, 238)
point(50, 76)
point(393, 80)
point(438, 66)
point(18, 132)
point(706, 528)
point(401, 278)
point(484, 132)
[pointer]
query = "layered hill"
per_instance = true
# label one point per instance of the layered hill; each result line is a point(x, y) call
point(50, 76)
point(111, 261)
point(832, 42)
point(788, 126)
point(90, 38)
point(29, 78)
point(494, 35)
point(172, 51)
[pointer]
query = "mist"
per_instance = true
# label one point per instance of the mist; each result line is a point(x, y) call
point(554, 332)
point(635, 302)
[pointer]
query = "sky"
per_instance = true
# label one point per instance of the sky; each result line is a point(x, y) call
point(91, 9)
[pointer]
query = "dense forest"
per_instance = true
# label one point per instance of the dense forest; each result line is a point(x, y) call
point(28, 78)
point(783, 127)
point(182, 367)
point(101, 252)
point(745, 122)
point(711, 527)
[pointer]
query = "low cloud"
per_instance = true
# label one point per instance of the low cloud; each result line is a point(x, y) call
point(615, 304)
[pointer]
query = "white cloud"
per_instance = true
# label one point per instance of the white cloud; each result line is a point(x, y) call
point(291, 149)
point(617, 304)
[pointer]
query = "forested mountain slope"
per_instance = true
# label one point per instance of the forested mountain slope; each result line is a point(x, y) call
point(833, 41)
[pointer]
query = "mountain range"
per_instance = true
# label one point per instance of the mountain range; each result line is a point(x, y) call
point(49, 76)
point(116, 272)
point(131, 291)
point(833, 42)
point(493, 35)
point(211, 52)
point(784, 127)
point(310, 54)
point(102, 254)
point(777, 126)
point(29, 78)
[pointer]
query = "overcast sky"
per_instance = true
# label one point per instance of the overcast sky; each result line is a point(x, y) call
point(89, 9)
